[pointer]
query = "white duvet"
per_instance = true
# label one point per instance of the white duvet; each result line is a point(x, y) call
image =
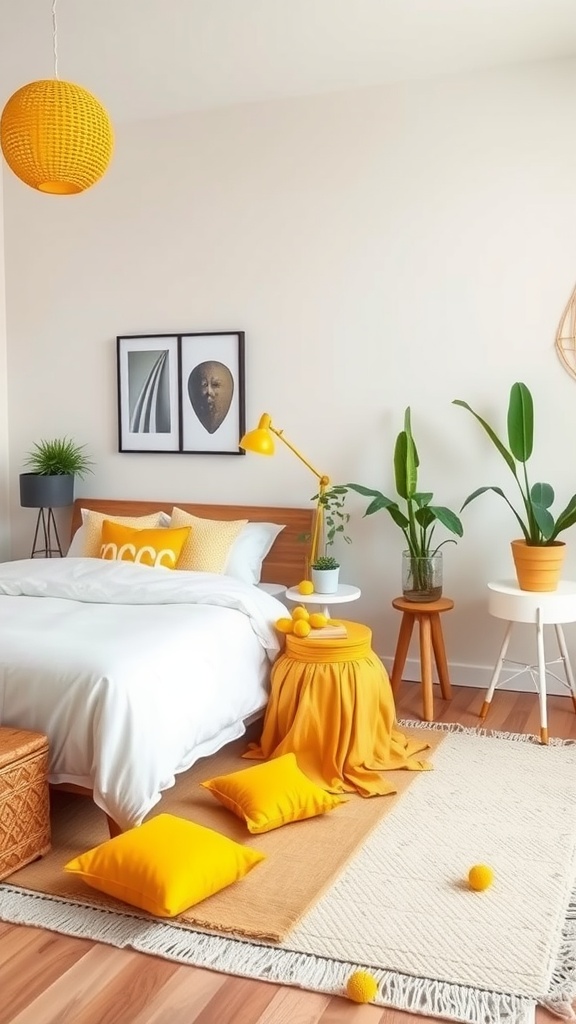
point(133, 673)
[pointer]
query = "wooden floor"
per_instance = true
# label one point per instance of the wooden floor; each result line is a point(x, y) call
point(47, 978)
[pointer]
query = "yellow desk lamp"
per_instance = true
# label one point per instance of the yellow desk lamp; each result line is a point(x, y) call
point(261, 441)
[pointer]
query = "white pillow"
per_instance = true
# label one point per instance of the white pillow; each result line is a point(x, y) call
point(78, 543)
point(249, 550)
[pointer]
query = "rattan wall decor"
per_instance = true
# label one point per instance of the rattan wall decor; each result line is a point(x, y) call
point(566, 336)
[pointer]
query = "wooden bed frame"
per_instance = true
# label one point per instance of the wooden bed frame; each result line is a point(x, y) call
point(285, 562)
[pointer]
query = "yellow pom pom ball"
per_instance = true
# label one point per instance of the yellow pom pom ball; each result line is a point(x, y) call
point(318, 620)
point(301, 628)
point(300, 613)
point(306, 587)
point(284, 625)
point(480, 877)
point(361, 987)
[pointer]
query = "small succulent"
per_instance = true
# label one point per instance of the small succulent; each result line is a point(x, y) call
point(325, 562)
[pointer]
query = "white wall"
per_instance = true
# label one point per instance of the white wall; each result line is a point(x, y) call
point(380, 248)
point(4, 453)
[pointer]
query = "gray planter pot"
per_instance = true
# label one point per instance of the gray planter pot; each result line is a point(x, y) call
point(38, 491)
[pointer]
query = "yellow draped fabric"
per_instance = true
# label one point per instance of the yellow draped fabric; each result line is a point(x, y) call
point(331, 704)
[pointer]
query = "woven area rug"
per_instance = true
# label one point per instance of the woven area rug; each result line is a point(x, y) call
point(302, 859)
point(401, 907)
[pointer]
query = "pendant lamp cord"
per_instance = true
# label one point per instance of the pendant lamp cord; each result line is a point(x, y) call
point(55, 38)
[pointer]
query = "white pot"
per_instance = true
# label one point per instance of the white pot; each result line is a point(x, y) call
point(325, 580)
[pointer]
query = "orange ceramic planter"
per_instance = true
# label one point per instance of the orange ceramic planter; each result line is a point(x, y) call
point(538, 567)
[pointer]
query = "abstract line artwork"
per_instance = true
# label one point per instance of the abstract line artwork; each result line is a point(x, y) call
point(181, 393)
point(150, 400)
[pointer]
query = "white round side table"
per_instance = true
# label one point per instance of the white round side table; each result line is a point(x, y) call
point(343, 594)
point(507, 601)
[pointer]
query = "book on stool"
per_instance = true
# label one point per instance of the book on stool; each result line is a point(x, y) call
point(337, 632)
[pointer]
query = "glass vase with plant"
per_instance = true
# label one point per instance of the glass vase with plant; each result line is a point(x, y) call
point(417, 519)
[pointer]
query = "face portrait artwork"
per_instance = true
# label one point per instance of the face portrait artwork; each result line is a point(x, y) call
point(211, 388)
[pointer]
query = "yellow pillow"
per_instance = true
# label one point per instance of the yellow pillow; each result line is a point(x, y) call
point(210, 540)
point(271, 794)
point(165, 865)
point(92, 522)
point(148, 547)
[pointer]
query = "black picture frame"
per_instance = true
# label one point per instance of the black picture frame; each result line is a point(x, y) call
point(182, 393)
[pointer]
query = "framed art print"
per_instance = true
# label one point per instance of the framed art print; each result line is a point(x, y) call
point(181, 392)
point(212, 392)
point(148, 390)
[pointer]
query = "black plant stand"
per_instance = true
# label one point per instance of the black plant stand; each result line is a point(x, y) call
point(46, 527)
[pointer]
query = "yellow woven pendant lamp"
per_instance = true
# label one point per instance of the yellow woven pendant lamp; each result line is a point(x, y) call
point(56, 136)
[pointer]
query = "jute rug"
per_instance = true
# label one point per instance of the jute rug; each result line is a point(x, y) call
point(400, 907)
point(302, 859)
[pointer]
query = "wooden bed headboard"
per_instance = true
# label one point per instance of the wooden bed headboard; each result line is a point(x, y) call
point(286, 561)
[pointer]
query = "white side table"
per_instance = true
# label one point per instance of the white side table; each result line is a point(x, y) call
point(344, 593)
point(507, 601)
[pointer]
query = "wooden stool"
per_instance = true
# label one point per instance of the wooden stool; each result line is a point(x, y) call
point(427, 614)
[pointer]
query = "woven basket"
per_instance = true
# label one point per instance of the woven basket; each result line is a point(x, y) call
point(24, 800)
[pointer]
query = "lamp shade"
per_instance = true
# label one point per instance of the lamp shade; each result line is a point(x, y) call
point(56, 136)
point(260, 440)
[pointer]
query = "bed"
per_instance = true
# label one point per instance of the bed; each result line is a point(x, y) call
point(134, 673)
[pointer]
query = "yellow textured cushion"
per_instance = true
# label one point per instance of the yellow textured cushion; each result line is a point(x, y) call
point(92, 521)
point(271, 794)
point(165, 865)
point(148, 547)
point(210, 540)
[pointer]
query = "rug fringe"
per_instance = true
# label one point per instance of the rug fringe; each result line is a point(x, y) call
point(476, 730)
point(229, 955)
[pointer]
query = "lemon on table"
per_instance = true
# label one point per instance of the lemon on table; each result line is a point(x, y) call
point(300, 613)
point(480, 877)
point(284, 625)
point(317, 620)
point(361, 987)
point(306, 587)
point(301, 628)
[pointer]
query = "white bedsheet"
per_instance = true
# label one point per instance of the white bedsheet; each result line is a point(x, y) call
point(133, 673)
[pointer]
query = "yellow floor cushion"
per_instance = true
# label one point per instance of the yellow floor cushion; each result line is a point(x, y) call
point(271, 794)
point(165, 865)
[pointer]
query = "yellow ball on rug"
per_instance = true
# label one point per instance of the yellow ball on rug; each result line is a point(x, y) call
point(361, 987)
point(480, 877)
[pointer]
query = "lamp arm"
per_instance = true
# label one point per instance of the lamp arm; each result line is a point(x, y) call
point(324, 480)
point(323, 483)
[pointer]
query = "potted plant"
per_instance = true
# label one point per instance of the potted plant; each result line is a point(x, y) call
point(53, 466)
point(325, 569)
point(538, 555)
point(422, 560)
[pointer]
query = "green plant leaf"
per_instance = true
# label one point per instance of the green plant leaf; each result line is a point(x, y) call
point(506, 455)
point(379, 503)
point(405, 470)
point(424, 516)
point(422, 499)
point(398, 516)
point(366, 492)
point(498, 490)
point(448, 519)
point(544, 521)
point(542, 494)
point(520, 422)
point(566, 518)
